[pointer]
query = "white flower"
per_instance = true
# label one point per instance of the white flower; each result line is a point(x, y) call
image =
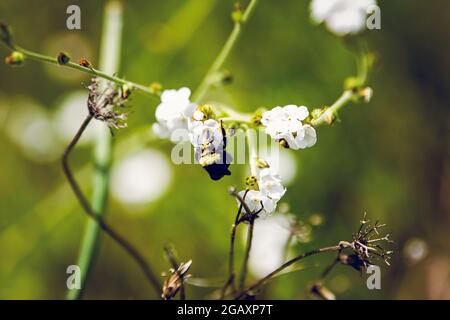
point(308, 139)
point(266, 198)
point(173, 112)
point(207, 133)
point(256, 201)
point(285, 123)
point(270, 184)
point(341, 16)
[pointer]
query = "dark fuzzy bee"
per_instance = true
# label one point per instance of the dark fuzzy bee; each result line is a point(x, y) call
point(215, 160)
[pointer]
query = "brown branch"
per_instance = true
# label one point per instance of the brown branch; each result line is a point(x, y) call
point(153, 279)
point(285, 265)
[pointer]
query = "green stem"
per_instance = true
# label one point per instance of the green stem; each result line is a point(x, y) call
point(330, 113)
point(110, 55)
point(207, 81)
point(94, 72)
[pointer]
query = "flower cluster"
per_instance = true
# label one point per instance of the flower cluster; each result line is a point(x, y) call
point(267, 191)
point(341, 17)
point(176, 115)
point(284, 124)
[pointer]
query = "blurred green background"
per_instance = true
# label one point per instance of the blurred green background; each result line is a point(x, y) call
point(389, 158)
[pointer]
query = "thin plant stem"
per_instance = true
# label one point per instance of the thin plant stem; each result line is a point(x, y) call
point(287, 264)
point(75, 66)
point(153, 279)
point(248, 247)
point(342, 101)
point(251, 142)
point(231, 274)
point(109, 60)
point(207, 81)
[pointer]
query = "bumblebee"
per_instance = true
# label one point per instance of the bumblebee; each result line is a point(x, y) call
point(214, 159)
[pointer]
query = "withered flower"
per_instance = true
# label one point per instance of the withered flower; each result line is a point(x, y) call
point(175, 279)
point(367, 246)
point(106, 102)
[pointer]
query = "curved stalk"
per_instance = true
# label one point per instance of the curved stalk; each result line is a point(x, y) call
point(109, 60)
point(86, 256)
point(207, 81)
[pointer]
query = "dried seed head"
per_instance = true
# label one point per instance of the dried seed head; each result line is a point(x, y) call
point(367, 244)
point(106, 103)
point(175, 279)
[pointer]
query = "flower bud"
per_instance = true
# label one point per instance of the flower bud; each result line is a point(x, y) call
point(16, 58)
point(85, 63)
point(252, 183)
point(206, 110)
point(156, 87)
point(125, 91)
point(236, 15)
point(261, 163)
point(63, 58)
point(366, 94)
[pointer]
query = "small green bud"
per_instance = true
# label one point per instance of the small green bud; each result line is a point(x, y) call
point(156, 87)
point(236, 15)
point(16, 58)
point(5, 33)
point(252, 183)
point(63, 58)
point(125, 91)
